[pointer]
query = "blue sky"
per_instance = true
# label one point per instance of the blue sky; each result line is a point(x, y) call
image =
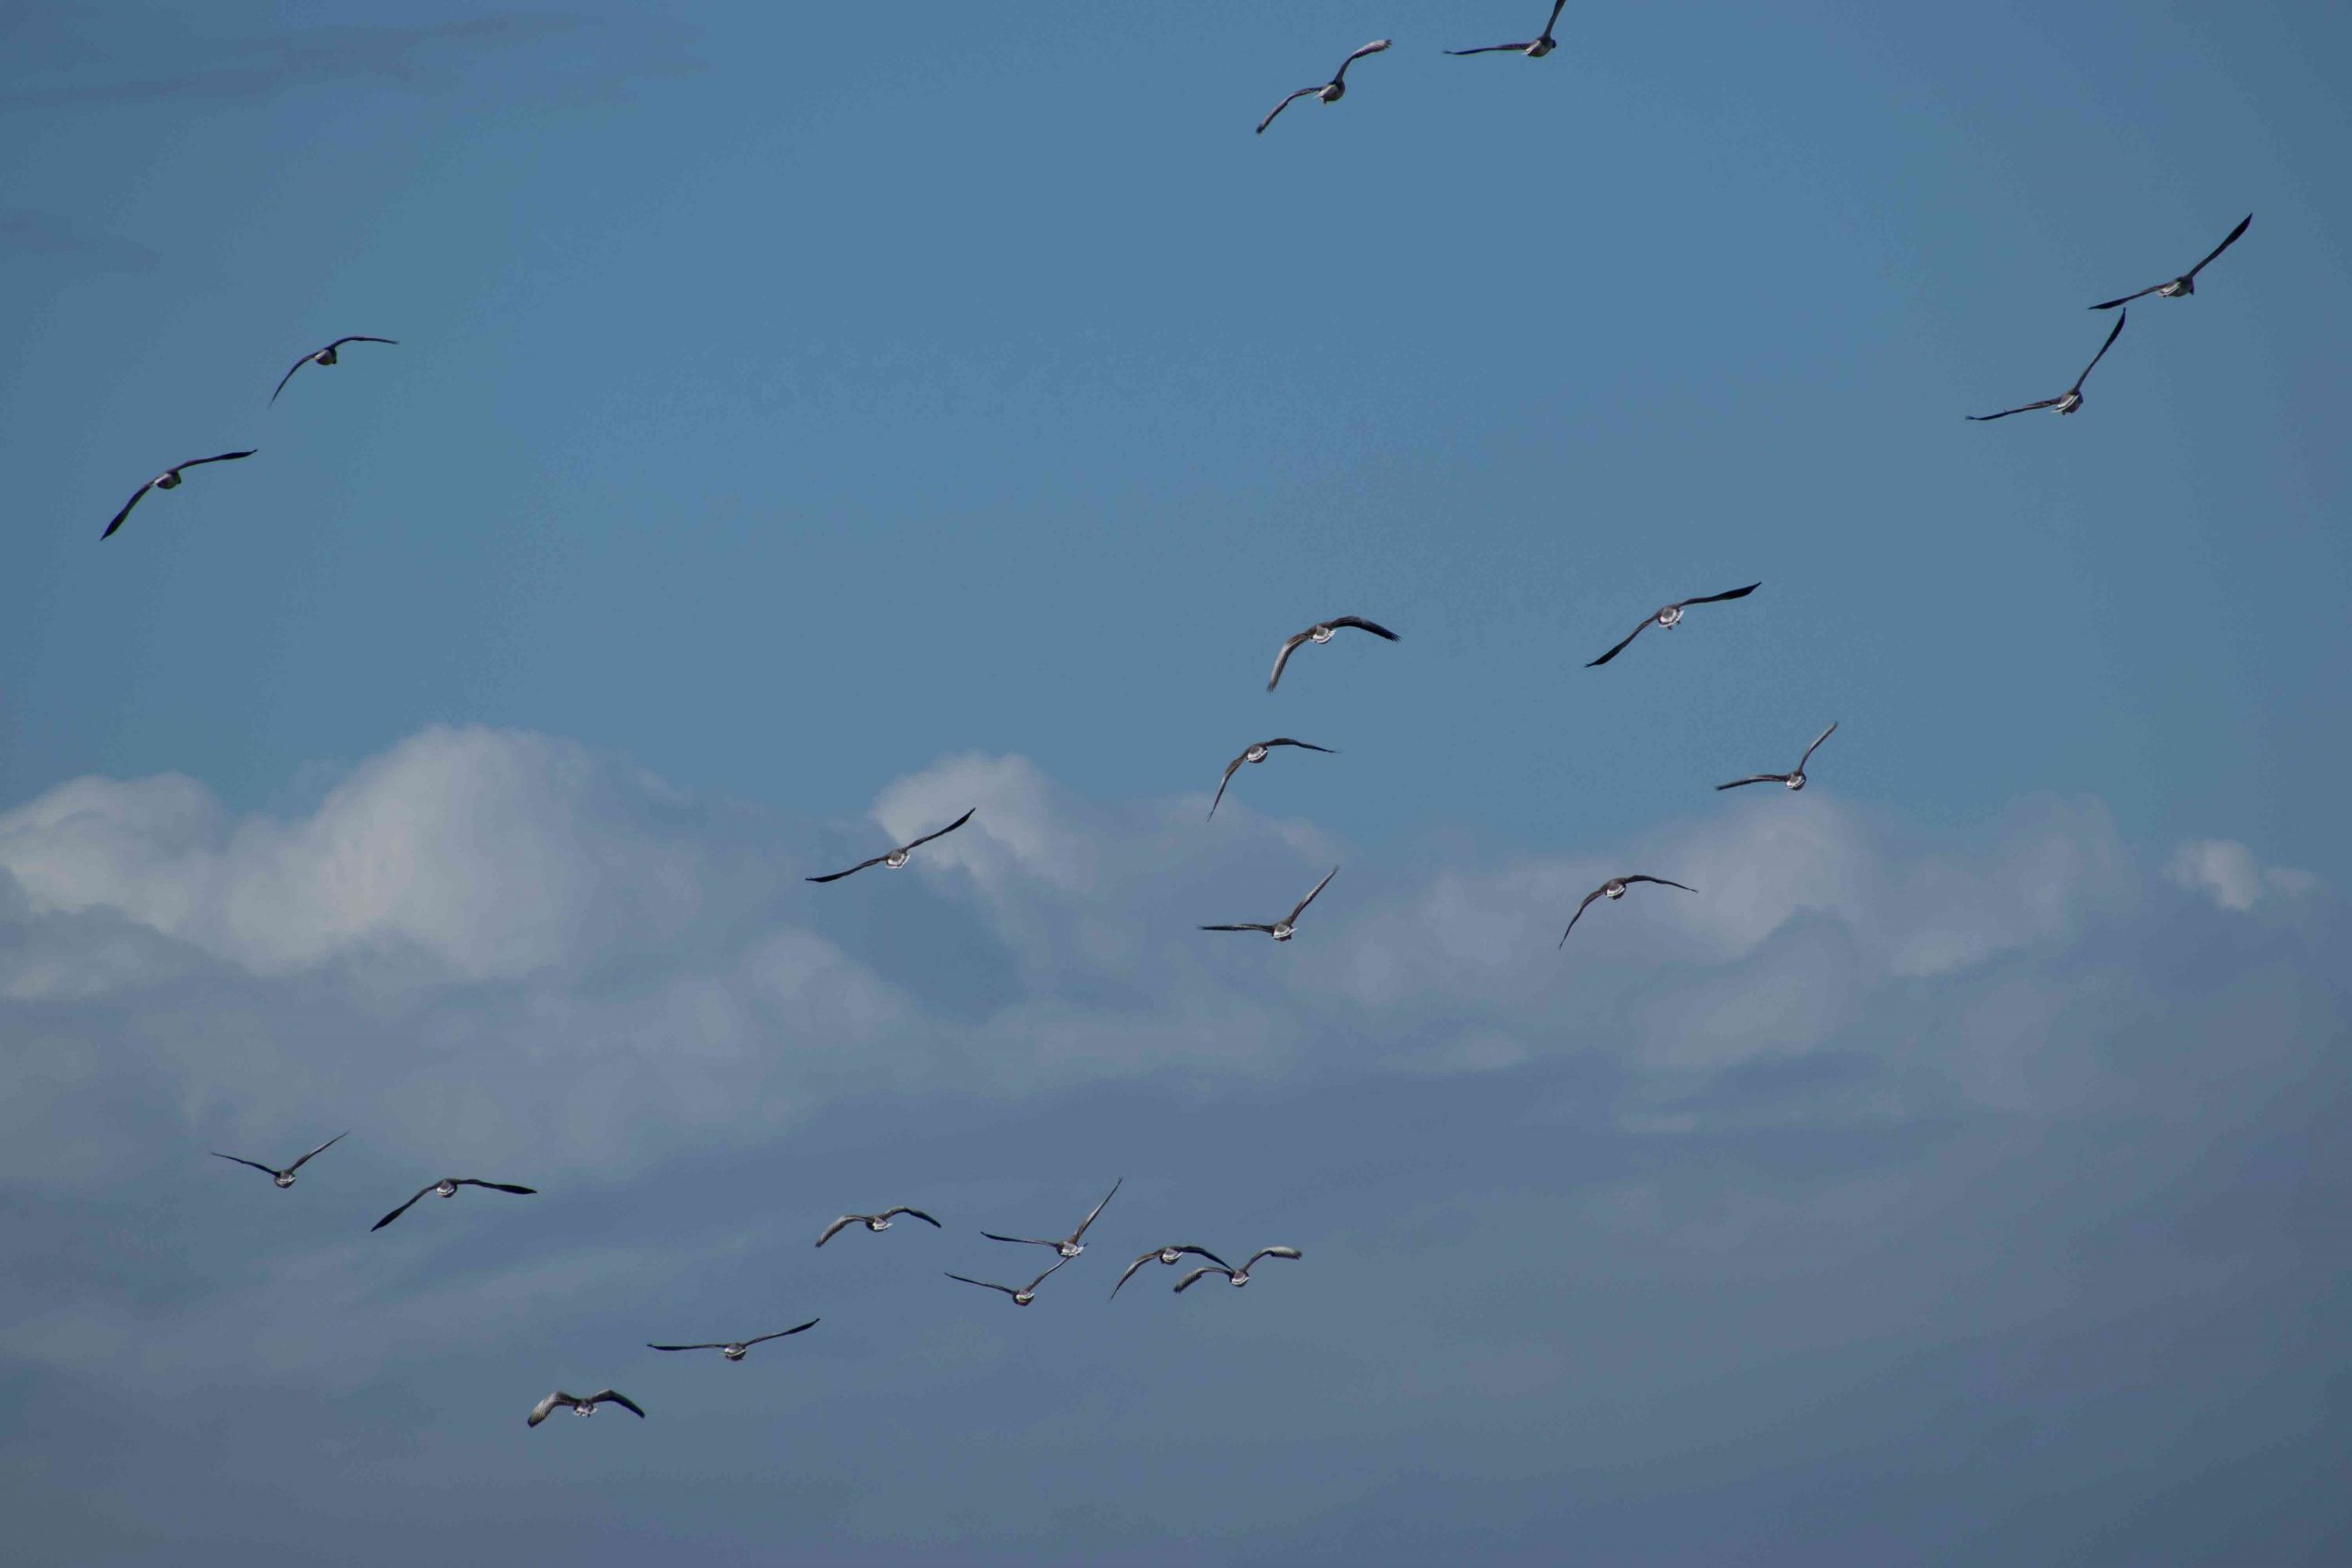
point(805, 426)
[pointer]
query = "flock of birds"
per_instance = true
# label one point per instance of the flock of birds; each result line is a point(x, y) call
point(1069, 1247)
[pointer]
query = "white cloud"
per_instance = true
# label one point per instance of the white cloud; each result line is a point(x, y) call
point(2228, 872)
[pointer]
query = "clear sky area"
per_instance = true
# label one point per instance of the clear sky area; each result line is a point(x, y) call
point(809, 424)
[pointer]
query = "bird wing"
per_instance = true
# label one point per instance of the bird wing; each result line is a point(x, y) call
point(1756, 778)
point(1375, 627)
point(1300, 906)
point(2120, 317)
point(1080, 1230)
point(499, 1186)
point(1719, 598)
point(1205, 1252)
point(1268, 930)
point(986, 1285)
point(714, 1345)
point(1270, 1252)
point(1280, 658)
point(1495, 48)
point(942, 832)
point(853, 871)
point(1188, 1280)
point(358, 337)
point(2112, 304)
point(127, 505)
point(1558, 6)
point(916, 1214)
point(1048, 1273)
point(539, 1411)
point(1579, 914)
point(781, 1333)
point(255, 1164)
point(319, 1150)
point(1131, 1271)
point(837, 1226)
point(1375, 47)
point(2021, 408)
point(1229, 770)
point(2224, 245)
point(1302, 745)
point(1661, 881)
point(403, 1209)
point(615, 1396)
point(1019, 1241)
point(1286, 103)
point(1622, 645)
point(216, 457)
point(289, 375)
point(1814, 747)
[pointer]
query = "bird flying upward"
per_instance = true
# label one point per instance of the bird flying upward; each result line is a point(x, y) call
point(1075, 1243)
point(170, 479)
point(1322, 632)
point(1331, 91)
point(323, 357)
point(448, 1187)
point(580, 1406)
point(2072, 398)
point(897, 858)
point(1671, 616)
point(1284, 928)
point(733, 1349)
point(1613, 889)
point(285, 1178)
point(1536, 48)
point(2186, 284)
point(1793, 778)
point(875, 1223)
point(1257, 753)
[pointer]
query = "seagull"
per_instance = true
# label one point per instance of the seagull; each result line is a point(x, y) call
point(877, 1223)
point(170, 479)
point(1026, 1294)
point(587, 1406)
point(1074, 1245)
point(898, 858)
point(1284, 928)
point(324, 356)
point(448, 1187)
point(1795, 780)
point(1165, 1255)
point(1671, 616)
point(1236, 1277)
point(732, 1350)
point(1257, 755)
point(1614, 889)
point(1320, 632)
point(1331, 92)
point(1544, 43)
point(2186, 284)
point(2072, 396)
point(285, 1177)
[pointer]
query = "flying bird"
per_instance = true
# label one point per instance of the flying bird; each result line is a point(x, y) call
point(448, 1187)
point(875, 1223)
point(1282, 929)
point(581, 1406)
point(285, 1177)
point(1544, 44)
point(170, 479)
point(733, 1349)
point(1076, 1244)
point(1331, 91)
point(1614, 889)
point(2072, 398)
point(1321, 632)
point(2186, 284)
point(1026, 1294)
point(898, 858)
point(324, 356)
point(1670, 617)
point(1793, 778)
point(1258, 753)
point(1165, 1255)
point(1236, 1277)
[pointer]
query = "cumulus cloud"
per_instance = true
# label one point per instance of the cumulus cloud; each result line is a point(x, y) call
point(2227, 871)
